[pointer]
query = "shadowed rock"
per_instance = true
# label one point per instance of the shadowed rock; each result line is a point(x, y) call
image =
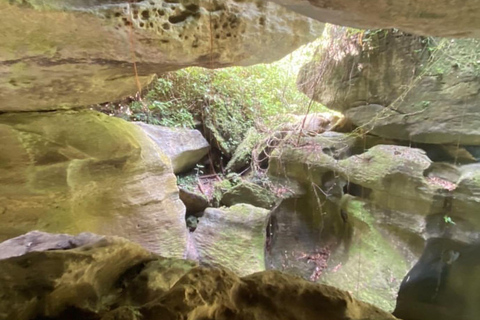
point(110, 278)
point(64, 54)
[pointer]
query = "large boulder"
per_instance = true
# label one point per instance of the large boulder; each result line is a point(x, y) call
point(342, 246)
point(242, 156)
point(437, 18)
point(250, 193)
point(399, 86)
point(185, 147)
point(443, 285)
point(106, 278)
point(64, 54)
point(232, 237)
point(367, 215)
point(75, 171)
point(193, 201)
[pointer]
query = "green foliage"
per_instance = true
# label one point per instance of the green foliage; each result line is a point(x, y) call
point(449, 220)
point(459, 54)
point(229, 99)
point(188, 181)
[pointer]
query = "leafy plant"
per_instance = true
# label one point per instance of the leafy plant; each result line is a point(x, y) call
point(448, 220)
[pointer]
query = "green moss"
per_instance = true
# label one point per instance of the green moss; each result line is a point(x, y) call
point(219, 189)
point(243, 154)
point(448, 55)
point(237, 237)
point(250, 193)
point(374, 269)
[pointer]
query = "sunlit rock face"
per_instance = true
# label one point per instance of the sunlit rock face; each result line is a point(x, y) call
point(399, 86)
point(184, 147)
point(63, 54)
point(71, 171)
point(444, 18)
point(443, 285)
point(61, 277)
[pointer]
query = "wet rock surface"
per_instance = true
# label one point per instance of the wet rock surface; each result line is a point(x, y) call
point(111, 278)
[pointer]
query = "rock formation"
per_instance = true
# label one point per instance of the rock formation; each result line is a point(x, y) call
point(438, 18)
point(74, 171)
point(65, 54)
point(247, 192)
point(184, 147)
point(232, 237)
point(399, 86)
point(378, 206)
point(106, 278)
point(444, 284)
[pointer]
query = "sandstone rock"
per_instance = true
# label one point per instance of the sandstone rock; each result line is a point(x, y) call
point(315, 123)
point(250, 193)
point(111, 278)
point(391, 198)
point(232, 237)
point(194, 202)
point(184, 147)
point(74, 279)
point(308, 160)
point(82, 171)
point(441, 18)
point(443, 285)
point(316, 239)
point(65, 54)
point(243, 154)
point(399, 86)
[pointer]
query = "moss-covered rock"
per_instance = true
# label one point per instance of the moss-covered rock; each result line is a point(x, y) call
point(232, 237)
point(243, 154)
point(249, 193)
point(105, 278)
point(392, 198)
point(399, 86)
point(193, 201)
point(84, 171)
point(375, 263)
point(307, 159)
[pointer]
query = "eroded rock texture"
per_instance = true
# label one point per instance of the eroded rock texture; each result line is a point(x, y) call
point(430, 17)
point(368, 211)
point(63, 54)
point(399, 86)
point(105, 278)
point(75, 171)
